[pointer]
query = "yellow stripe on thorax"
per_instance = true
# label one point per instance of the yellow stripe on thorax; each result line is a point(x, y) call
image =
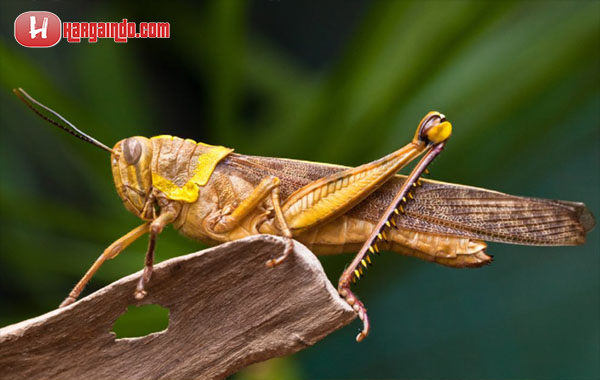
point(205, 166)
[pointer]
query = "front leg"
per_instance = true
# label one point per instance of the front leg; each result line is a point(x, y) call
point(109, 253)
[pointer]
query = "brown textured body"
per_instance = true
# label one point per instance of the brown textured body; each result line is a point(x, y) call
point(445, 223)
point(210, 194)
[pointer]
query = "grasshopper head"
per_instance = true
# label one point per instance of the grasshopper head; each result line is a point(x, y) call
point(433, 129)
point(131, 159)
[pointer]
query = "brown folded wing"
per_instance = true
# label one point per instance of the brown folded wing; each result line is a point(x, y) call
point(439, 207)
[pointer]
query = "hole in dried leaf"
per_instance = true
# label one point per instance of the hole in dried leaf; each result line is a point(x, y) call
point(141, 321)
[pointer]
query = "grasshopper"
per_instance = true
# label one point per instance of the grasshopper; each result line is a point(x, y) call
point(211, 194)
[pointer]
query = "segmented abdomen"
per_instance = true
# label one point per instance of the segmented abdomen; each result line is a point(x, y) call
point(347, 234)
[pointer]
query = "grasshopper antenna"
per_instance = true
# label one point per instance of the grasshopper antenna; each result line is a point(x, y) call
point(26, 98)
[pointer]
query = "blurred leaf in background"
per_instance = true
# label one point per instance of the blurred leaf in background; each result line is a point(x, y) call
point(340, 82)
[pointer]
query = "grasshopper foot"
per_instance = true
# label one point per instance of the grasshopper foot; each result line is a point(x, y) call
point(140, 290)
point(139, 294)
point(289, 248)
point(69, 300)
point(359, 308)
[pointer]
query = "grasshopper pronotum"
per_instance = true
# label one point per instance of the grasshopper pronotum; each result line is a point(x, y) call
point(213, 195)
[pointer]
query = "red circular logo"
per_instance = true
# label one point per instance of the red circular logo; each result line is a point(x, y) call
point(37, 29)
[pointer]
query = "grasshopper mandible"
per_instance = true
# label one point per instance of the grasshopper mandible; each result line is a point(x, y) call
point(211, 194)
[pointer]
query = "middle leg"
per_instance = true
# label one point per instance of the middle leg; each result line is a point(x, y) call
point(267, 186)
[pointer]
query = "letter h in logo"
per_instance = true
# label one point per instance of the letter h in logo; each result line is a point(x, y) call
point(34, 32)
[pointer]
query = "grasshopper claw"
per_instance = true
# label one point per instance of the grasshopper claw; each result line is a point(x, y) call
point(362, 314)
point(139, 294)
point(271, 263)
point(289, 248)
point(359, 308)
point(361, 335)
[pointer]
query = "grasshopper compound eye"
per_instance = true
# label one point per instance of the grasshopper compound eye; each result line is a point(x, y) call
point(132, 150)
point(434, 128)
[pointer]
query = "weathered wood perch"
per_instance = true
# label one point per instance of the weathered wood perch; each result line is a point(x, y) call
point(227, 310)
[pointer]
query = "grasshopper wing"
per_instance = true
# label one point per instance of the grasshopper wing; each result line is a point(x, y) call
point(445, 208)
point(440, 207)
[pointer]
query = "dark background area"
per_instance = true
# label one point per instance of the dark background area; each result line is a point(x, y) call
point(340, 82)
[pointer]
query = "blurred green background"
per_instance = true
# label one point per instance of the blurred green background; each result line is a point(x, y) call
point(340, 82)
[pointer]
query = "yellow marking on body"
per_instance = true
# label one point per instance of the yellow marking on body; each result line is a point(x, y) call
point(411, 196)
point(363, 262)
point(393, 222)
point(404, 199)
point(207, 163)
point(440, 132)
point(187, 193)
point(360, 270)
point(379, 236)
point(369, 259)
point(164, 137)
point(401, 209)
point(387, 223)
point(357, 273)
point(205, 166)
point(371, 249)
point(376, 248)
point(396, 211)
